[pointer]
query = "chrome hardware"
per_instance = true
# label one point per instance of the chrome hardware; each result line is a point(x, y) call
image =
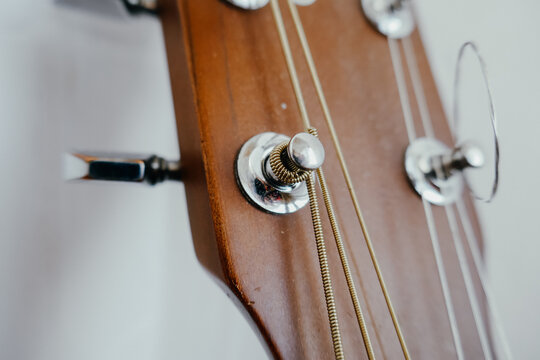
point(116, 8)
point(249, 4)
point(257, 4)
point(392, 18)
point(465, 156)
point(304, 2)
point(306, 151)
point(138, 6)
point(259, 184)
point(151, 170)
point(435, 171)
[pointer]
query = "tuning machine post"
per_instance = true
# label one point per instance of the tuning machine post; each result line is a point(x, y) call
point(258, 4)
point(258, 182)
point(436, 172)
point(392, 18)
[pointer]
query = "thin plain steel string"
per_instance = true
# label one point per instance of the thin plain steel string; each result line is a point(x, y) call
point(321, 250)
point(290, 63)
point(418, 88)
point(407, 115)
point(442, 276)
point(469, 285)
point(305, 117)
point(402, 88)
point(463, 213)
point(478, 263)
point(346, 174)
point(454, 228)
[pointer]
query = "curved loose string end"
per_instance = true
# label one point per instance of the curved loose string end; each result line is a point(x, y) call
point(492, 114)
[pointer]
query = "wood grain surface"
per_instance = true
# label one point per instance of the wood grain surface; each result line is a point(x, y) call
point(230, 82)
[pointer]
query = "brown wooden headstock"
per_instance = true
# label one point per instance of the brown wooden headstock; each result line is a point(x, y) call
point(230, 82)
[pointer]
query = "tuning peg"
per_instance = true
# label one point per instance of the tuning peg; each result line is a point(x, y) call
point(443, 166)
point(258, 182)
point(434, 170)
point(392, 18)
point(249, 4)
point(468, 155)
point(293, 160)
point(150, 170)
point(115, 8)
point(257, 4)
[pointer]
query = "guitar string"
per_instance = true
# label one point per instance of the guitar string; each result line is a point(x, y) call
point(344, 168)
point(345, 264)
point(418, 88)
point(321, 250)
point(469, 286)
point(410, 128)
point(286, 48)
point(502, 345)
point(478, 263)
point(402, 89)
point(325, 272)
point(406, 108)
point(458, 242)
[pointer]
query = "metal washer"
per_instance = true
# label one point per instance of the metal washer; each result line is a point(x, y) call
point(250, 176)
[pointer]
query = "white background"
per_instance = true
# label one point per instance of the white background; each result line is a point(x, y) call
point(107, 271)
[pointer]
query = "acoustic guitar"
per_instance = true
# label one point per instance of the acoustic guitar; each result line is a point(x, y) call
point(386, 264)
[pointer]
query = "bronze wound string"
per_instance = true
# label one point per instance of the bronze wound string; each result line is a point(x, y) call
point(346, 174)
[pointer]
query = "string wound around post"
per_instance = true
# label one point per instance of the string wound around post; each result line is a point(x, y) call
point(271, 170)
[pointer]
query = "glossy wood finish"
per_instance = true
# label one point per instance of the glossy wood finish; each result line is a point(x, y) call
point(230, 82)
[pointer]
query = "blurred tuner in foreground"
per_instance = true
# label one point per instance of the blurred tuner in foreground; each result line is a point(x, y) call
point(150, 170)
point(113, 8)
point(435, 171)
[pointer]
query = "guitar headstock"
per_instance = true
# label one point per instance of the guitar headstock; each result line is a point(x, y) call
point(231, 82)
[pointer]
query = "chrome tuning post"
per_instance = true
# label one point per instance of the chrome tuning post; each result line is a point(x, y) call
point(435, 171)
point(392, 18)
point(258, 4)
point(468, 155)
point(150, 170)
point(258, 182)
point(249, 4)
